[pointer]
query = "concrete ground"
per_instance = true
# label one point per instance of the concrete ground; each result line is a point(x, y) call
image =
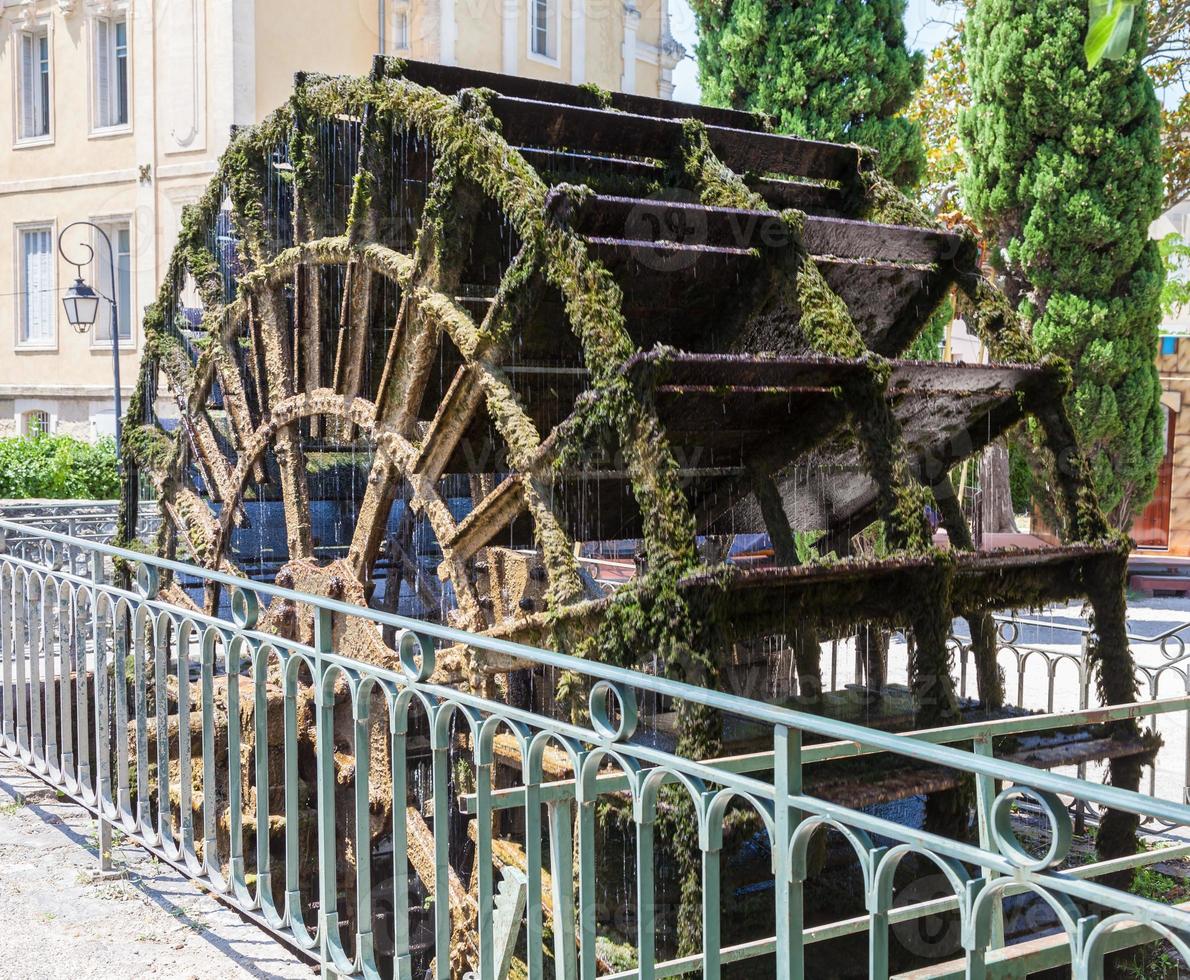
point(62, 919)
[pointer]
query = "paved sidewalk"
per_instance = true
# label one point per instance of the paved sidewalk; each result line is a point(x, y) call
point(62, 920)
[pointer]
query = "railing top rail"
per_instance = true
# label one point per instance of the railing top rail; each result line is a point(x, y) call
point(759, 711)
point(1084, 630)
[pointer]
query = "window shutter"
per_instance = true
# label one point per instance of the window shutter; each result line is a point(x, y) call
point(43, 85)
point(120, 73)
point(43, 299)
point(103, 73)
point(38, 326)
point(124, 289)
point(103, 276)
point(28, 85)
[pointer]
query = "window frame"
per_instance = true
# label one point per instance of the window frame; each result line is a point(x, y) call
point(401, 26)
point(39, 29)
point(111, 224)
point(119, 14)
point(27, 416)
point(553, 32)
point(20, 230)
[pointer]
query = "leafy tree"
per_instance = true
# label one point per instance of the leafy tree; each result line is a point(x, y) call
point(1065, 178)
point(1167, 59)
point(825, 69)
point(1175, 294)
point(935, 108)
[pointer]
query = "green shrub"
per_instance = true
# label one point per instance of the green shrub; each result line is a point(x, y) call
point(58, 468)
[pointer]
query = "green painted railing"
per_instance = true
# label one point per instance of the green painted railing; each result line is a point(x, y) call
point(97, 682)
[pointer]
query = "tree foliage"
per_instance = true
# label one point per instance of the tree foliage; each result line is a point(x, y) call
point(1167, 59)
point(927, 345)
point(1065, 178)
point(824, 69)
point(937, 103)
point(1175, 294)
point(57, 468)
point(935, 108)
point(1108, 31)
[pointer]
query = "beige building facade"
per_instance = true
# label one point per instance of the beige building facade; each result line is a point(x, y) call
point(119, 110)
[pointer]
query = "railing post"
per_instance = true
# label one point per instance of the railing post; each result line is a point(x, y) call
point(7, 655)
point(441, 810)
point(534, 958)
point(787, 781)
point(120, 654)
point(483, 846)
point(712, 939)
point(1084, 699)
point(82, 715)
point(985, 794)
point(586, 888)
point(39, 653)
point(646, 919)
point(1185, 750)
point(293, 895)
point(561, 824)
point(20, 649)
point(105, 846)
point(403, 961)
point(147, 643)
point(103, 775)
point(67, 637)
point(365, 951)
point(328, 899)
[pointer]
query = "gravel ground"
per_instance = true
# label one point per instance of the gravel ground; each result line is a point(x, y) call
point(62, 919)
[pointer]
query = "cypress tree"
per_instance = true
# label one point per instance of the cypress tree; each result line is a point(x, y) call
point(824, 69)
point(1065, 178)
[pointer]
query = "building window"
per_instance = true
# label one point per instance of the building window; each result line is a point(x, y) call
point(543, 31)
point(1169, 346)
point(36, 423)
point(401, 27)
point(36, 258)
point(111, 72)
point(121, 238)
point(33, 85)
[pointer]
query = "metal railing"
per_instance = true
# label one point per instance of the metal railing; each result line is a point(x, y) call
point(1046, 668)
point(94, 520)
point(1162, 665)
point(188, 733)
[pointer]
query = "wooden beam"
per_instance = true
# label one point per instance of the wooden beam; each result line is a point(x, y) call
point(450, 421)
point(494, 512)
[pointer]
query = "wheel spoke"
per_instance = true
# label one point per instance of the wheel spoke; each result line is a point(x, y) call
point(291, 460)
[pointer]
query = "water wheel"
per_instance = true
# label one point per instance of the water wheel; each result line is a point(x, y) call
point(443, 341)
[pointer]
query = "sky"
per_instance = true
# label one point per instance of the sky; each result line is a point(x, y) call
point(926, 23)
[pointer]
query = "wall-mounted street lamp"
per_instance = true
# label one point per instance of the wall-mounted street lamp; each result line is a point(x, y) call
point(82, 307)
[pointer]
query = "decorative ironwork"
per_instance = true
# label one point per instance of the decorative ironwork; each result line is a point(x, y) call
point(95, 684)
